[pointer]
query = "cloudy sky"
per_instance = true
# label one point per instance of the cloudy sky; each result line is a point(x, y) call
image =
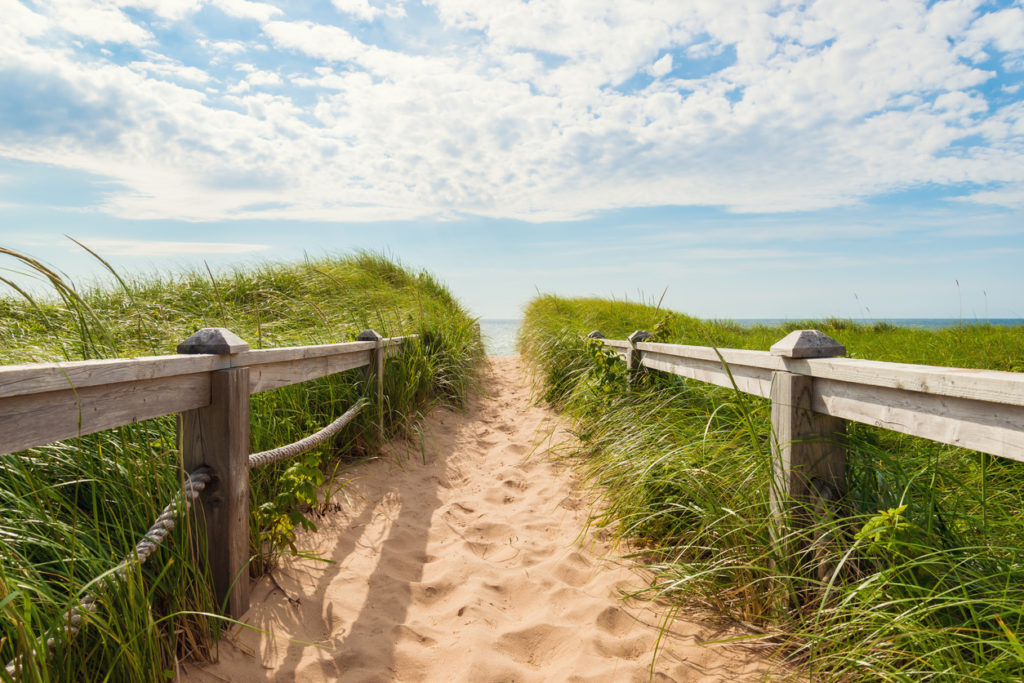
point(763, 158)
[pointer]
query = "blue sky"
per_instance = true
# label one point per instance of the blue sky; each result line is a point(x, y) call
point(759, 159)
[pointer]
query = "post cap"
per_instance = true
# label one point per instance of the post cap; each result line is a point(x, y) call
point(213, 340)
point(638, 336)
point(595, 335)
point(369, 335)
point(808, 344)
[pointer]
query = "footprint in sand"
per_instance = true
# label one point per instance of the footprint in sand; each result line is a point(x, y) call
point(537, 645)
point(614, 621)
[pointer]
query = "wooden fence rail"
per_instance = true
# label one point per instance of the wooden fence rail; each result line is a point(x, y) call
point(814, 392)
point(208, 386)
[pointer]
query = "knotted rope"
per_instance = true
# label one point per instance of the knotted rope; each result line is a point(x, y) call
point(302, 445)
point(147, 545)
point(194, 484)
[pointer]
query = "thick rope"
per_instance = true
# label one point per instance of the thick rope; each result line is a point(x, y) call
point(164, 524)
point(302, 445)
point(147, 545)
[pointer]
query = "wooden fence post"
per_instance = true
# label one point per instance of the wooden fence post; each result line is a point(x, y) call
point(808, 453)
point(217, 436)
point(375, 373)
point(633, 366)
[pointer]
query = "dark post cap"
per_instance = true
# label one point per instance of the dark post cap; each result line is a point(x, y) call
point(638, 336)
point(808, 344)
point(369, 335)
point(595, 335)
point(218, 340)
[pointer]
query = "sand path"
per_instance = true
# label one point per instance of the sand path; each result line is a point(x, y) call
point(460, 558)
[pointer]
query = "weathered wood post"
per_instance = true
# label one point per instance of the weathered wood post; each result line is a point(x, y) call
point(595, 335)
point(217, 436)
point(808, 453)
point(375, 373)
point(633, 365)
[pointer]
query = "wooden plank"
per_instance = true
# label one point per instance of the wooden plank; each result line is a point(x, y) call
point(615, 343)
point(992, 428)
point(37, 419)
point(38, 378)
point(806, 446)
point(754, 359)
point(290, 353)
point(269, 376)
point(217, 436)
point(980, 385)
point(750, 380)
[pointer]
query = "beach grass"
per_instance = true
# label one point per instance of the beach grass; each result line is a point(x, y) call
point(922, 574)
point(71, 511)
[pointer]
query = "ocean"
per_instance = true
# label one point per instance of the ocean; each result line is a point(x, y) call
point(500, 334)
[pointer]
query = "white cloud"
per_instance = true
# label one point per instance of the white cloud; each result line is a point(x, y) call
point(99, 21)
point(515, 109)
point(661, 67)
point(139, 247)
point(245, 9)
point(359, 8)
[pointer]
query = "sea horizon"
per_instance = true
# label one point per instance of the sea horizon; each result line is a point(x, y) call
point(500, 333)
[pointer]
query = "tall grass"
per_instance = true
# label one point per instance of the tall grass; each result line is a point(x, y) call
point(918, 576)
point(70, 511)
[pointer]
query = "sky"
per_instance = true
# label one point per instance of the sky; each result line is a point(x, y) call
point(765, 158)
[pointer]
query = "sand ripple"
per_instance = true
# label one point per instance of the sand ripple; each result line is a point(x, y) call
point(468, 567)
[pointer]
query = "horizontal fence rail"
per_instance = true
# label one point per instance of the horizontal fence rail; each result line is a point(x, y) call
point(982, 410)
point(45, 402)
point(208, 386)
point(814, 392)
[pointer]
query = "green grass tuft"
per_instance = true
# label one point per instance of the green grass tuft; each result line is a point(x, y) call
point(920, 577)
point(70, 511)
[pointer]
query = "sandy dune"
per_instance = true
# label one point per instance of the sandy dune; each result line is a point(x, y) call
point(460, 558)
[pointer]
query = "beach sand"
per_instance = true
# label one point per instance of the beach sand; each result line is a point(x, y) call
point(463, 556)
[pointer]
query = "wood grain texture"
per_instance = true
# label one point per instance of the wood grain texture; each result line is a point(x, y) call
point(217, 436)
point(291, 353)
point(754, 359)
point(38, 378)
point(37, 419)
point(283, 373)
point(979, 385)
point(993, 428)
point(805, 446)
point(750, 380)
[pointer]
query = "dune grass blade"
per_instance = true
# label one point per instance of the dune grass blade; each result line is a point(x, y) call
point(71, 510)
point(925, 564)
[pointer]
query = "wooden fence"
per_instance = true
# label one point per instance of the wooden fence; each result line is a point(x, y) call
point(814, 392)
point(208, 386)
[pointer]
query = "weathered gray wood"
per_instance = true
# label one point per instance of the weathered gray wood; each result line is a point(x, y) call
point(615, 343)
point(290, 353)
point(633, 356)
point(218, 340)
point(375, 374)
point(217, 437)
point(808, 451)
point(39, 378)
point(754, 359)
point(283, 373)
point(807, 344)
point(37, 419)
point(750, 380)
point(980, 385)
point(806, 445)
point(993, 428)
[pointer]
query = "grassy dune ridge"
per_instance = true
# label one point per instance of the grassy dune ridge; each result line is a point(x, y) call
point(70, 511)
point(922, 573)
